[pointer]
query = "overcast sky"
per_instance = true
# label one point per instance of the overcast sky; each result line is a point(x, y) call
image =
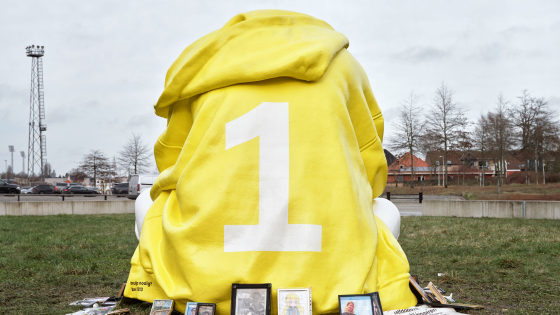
point(105, 61)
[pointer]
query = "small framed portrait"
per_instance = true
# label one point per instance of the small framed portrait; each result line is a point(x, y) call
point(191, 308)
point(250, 299)
point(205, 309)
point(377, 309)
point(357, 304)
point(294, 301)
point(161, 307)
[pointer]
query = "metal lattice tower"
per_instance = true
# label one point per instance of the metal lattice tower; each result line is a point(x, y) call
point(37, 146)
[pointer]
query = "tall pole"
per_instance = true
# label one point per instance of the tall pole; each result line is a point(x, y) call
point(22, 161)
point(536, 172)
point(438, 172)
point(443, 173)
point(37, 146)
point(543, 177)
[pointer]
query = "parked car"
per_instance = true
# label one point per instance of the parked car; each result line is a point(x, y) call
point(120, 189)
point(78, 190)
point(43, 189)
point(140, 182)
point(59, 187)
point(6, 188)
point(97, 189)
point(26, 190)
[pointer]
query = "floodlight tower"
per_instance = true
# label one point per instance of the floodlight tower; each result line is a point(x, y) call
point(22, 161)
point(11, 148)
point(37, 146)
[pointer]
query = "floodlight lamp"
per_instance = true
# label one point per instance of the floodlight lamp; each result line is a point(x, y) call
point(22, 153)
point(32, 46)
point(11, 148)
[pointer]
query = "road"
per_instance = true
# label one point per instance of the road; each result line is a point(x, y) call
point(57, 197)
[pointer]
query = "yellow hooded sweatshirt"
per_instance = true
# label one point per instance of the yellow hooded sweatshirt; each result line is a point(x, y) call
point(269, 165)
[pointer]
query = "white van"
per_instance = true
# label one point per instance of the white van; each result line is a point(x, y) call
point(138, 183)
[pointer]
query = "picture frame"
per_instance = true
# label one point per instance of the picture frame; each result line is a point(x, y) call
point(377, 307)
point(251, 299)
point(162, 307)
point(421, 295)
point(205, 309)
point(190, 309)
point(356, 304)
point(294, 301)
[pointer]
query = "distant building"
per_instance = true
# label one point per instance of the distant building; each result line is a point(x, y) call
point(389, 157)
point(400, 170)
point(471, 164)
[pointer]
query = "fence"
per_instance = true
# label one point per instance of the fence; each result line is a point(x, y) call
point(399, 197)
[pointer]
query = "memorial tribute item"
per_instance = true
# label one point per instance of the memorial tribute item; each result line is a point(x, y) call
point(250, 299)
point(161, 307)
point(271, 163)
point(377, 309)
point(191, 308)
point(437, 294)
point(205, 309)
point(294, 301)
point(357, 304)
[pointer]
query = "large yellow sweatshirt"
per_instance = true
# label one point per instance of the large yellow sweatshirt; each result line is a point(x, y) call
point(269, 165)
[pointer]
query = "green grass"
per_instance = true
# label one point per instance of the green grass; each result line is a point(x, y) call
point(514, 264)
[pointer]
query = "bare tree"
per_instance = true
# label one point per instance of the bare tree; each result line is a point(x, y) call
point(95, 164)
point(480, 141)
point(464, 145)
point(136, 154)
point(48, 171)
point(501, 138)
point(408, 130)
point(537, 126)
point(445, 121)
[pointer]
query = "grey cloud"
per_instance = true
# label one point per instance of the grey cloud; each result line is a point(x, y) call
point(421, 54)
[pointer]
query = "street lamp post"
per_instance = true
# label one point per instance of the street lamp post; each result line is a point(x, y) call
point(443, 179)
point(437, 163)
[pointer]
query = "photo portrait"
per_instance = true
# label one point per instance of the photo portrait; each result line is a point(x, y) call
point(293, 302)
point(250, 302)
point(191, 308)
point(205, 309)
point(356, 304)
point(161, 305)
point(377, 309)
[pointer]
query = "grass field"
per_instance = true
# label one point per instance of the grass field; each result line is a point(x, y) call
point(507, 192)
point(511, 266)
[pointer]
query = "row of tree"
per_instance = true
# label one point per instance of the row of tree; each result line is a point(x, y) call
point(526, 125)
point(133, 158)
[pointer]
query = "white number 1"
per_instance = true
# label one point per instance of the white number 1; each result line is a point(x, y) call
point(270, 122)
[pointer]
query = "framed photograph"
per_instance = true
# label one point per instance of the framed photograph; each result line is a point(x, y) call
point(161, 306)
point(377, 309)
point(357, 304)
point(191, 308)
point(417, 290)
point(205, 309)
point(296, 301)
point(250, 299)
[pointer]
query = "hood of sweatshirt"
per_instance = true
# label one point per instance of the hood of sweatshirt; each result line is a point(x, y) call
point(252, 46)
